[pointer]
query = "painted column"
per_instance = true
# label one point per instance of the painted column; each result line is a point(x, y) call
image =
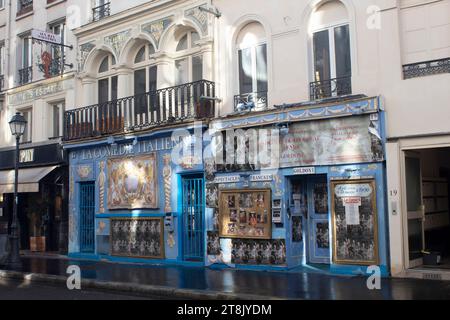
point(124, 81)
point(89, 96)
point(207, 54)
point(165, 73)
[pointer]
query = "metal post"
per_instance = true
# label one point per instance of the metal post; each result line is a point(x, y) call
point(13, 261)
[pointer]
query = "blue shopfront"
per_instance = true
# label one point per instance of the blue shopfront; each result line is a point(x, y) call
point(129, 201)
point(319, 205)
point(316, 201)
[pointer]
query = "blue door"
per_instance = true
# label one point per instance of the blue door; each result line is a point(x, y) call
point(87, 217)
point(318, 220)
point(193, 217)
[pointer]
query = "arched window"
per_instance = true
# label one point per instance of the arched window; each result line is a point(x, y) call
point(145, 78)
point(252, 63)
point(188, 62)
point(107, 83)
point(332, 67)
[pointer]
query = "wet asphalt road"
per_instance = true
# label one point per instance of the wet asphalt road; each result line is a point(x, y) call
point(19, 290)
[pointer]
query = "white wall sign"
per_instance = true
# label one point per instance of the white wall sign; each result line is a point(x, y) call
point(353, 190)
point(261, 177)
point(45, 36)
point(304, 171)
point(227, 179)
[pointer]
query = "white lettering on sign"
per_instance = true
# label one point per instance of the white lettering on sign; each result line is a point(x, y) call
point(261, 177)
point(26, 156)
point(45, 36)
point(303, 171)
point(353, 190)
point(227, 179)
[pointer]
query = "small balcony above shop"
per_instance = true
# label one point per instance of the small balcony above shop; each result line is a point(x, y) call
point(101, 11)
point(152, 109)
point(330, 88)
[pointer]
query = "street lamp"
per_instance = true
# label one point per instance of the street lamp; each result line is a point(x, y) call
point(17, 126)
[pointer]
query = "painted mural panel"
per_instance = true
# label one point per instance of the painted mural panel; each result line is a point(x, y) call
point(245, 214)
point(355, 233)
point(133, 182)
point(141, 238)
point(331, 142)
point(258, 252)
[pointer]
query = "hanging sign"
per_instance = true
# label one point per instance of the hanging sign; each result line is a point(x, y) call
point(45, 36)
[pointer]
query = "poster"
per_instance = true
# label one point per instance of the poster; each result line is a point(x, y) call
point(141, 237)
point(133, 182)
point(321, 198)
point(297, 229)
point(354, 222)
point(212, 195)
point(322, 235)
point(213, 243)
point(330, 142)
point(245, 214)
point(258, 252)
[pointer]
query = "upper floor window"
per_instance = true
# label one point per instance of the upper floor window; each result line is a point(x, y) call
point(332, 67)
point(101, 9)
point(189, 61)
point(56, 127)
point(26, 61)
point(107, 83)
point(145, 78)
point(2, 65)
point(24, 6)
point(252, 63)
point(57, 52)
point(27, 135)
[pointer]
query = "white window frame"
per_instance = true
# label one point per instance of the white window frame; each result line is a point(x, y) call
point(29, 125)
point(330, 28)
point(61, 104)
point(191, 51)
point(147, 64)
point(107, 75)
point(262, 41)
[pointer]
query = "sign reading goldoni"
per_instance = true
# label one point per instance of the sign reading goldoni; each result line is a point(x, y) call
point(333, 141)
point(45, 36)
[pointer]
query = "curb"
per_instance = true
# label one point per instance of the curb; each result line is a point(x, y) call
point(135, 289)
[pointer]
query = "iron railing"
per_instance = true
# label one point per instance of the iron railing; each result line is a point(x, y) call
point(101, 12)
point(426, 68)
point(25, 75)
point(164, 106)
point(248, 101)
point(24, 6)
point(330, 88)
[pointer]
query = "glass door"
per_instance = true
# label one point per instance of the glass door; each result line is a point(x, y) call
point(415, 209)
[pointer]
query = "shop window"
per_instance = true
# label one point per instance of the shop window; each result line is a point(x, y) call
point(252, 65)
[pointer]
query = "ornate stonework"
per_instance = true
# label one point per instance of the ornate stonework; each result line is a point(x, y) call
point(156, 28)
point(200, 18)
point(117, 40)
point(167, 174)
point(101, 187)
point(85, 49)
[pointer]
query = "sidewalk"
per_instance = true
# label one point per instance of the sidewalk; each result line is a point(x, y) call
point(202, 283)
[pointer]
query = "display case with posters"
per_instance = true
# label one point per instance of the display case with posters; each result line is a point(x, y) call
point(354, 217)
point(245, 214)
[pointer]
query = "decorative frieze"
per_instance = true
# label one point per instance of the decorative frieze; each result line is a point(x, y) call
point(116, 41)
point(155, 29)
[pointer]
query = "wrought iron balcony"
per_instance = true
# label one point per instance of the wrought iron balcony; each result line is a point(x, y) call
point(101, 12)
point(330, 88)
point(24, 6)
point(25, 75)
point(250, 101)
point(161, 107)
point(426, 68)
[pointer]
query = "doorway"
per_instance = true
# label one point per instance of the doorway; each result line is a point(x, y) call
point(87, 217)
point(309, 202)
point(427, 176)
point(193, 204)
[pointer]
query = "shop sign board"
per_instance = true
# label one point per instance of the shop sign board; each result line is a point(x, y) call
point(227, 179)
point(331, 141)
point(305, 171)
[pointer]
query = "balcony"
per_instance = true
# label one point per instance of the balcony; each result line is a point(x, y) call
point(25, 75)
point(330, 88)
point(426, 68)
point(250, 101)
point(101, 12)
point(25, 6)
point(161, 107)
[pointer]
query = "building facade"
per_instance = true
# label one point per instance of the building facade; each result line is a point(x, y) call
point(259, 136)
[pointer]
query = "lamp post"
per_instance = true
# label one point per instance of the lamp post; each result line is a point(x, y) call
point(17, 126)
